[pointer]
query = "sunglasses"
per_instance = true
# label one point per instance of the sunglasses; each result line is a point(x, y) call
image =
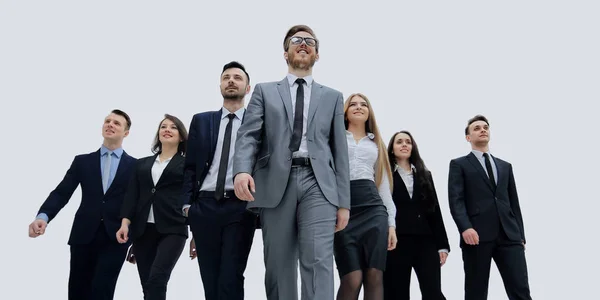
point(297, 40)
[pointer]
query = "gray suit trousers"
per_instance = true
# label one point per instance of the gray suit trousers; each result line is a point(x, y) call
point(301, 227)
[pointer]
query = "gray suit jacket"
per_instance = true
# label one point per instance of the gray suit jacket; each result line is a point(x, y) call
point(261, 147)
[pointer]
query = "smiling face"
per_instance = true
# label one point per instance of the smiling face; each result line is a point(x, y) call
point(114, 128)
point(357, 111)
point(402, 149)
point(302, 51)
point(168, 133)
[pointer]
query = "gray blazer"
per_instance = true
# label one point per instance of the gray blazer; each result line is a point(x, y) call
point(261, 147)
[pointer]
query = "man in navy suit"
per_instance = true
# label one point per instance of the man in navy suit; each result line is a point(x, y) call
point(96, 256)
point(485, 207)
point(221, 225)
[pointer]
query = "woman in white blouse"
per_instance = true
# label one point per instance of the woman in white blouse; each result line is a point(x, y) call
point(422, 239)
point(361, 248)
point(151, 211)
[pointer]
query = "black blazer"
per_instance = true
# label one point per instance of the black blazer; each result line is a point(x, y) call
point(413, 217)
point(96, 207)
point(165, 198)
point(475, 204)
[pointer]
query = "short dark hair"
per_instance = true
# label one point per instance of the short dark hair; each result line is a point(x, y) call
point(183, 134)
point(475, 119)
point(235, 64)
point(295, 29)
point(124, 115)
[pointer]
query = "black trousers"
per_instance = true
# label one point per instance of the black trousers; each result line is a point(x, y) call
point(223, 232)
point(95, 267)
point(418, 252)
point(156, 255)
point(509, 257)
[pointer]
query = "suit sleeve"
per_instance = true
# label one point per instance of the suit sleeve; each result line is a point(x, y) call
point(436, 222)
point(60, 196)
point(189, 167)
point(339, 149)
point(456, 197)
point(514, 202)
point(128, 208)
point(249, 136)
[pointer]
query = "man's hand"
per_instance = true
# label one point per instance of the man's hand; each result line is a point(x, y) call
point(343, 214)
point(243, 186)
point(37, 228)
point(471, 237)
point(392, 239)
point(123, 234)
point(193, 253)
point(443, 256)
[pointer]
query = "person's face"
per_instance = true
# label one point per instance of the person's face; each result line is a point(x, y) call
point(358, 110)
point(234, 84)
point(479, 133)
point(168, 134)
point(114, 128)
point(402, 146)
point(302, 53)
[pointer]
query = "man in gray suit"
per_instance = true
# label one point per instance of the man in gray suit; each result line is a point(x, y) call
point(291, 163)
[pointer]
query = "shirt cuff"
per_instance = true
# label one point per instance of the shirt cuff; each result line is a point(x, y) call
point(443, 250)
point(392, 222)
point(184, 207)
point(42, 216)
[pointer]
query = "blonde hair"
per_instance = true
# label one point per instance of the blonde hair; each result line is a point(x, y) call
point(382, 164)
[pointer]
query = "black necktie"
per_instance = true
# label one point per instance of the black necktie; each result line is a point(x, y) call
point(220, 189)
point(298, 117)
point(490, 171)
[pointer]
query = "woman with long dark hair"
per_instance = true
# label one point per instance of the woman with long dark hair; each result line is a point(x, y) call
point(151, 212)
point(422, 239)
point(361, 248)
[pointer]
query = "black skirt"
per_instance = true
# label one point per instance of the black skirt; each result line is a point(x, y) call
point(363, 243)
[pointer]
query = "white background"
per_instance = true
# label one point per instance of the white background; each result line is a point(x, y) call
point(532, 67)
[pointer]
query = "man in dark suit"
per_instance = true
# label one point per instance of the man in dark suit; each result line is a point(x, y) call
point(221, 225)
point(96, 256)
point(485, 207)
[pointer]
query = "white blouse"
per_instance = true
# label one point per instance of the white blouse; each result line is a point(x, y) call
point(157, 169)
point(363, 156)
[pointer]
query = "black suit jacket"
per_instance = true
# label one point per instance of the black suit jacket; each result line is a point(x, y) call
point(95, 206)
point(165, 198)
point(413, 217)
point(475, 204)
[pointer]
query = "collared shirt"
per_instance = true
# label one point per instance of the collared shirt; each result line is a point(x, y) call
point(210, 182)
point(407, 177)
point(363, 156)
point(303, 150)
point(114, 163)
point(157, 169)
point(481, 159)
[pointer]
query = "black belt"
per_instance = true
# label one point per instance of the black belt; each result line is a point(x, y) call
point(211, 194)
point(301, 161)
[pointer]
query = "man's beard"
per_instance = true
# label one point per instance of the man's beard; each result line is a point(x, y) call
point(232, 95)
point(301, 64)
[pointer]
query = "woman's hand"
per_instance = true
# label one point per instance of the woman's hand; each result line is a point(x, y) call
point(123, 234)
point(392, 239)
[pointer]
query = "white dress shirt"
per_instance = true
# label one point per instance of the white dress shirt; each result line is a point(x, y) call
point(157, 169)
point(481, 159)
point(303, 150)
point(210, 182)
point(363, 156)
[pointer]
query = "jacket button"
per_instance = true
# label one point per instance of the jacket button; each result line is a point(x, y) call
point(153, 190)
point(418, 216)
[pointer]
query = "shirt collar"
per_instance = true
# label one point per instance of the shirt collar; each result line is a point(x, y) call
point(402, 171)
point(292, 79)
point(369, 134)
point(117, 152)
point(239, 113)
point(479, 154)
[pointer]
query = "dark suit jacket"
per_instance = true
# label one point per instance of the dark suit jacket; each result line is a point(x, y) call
point(165, 198)
point(95, 206)
point(413, 217)
point(201, 145)
point(475, 204)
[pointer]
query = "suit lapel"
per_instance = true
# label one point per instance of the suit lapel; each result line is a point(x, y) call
point(477, 165)
point(147, 167)
point(315, 97)
point(215, 123)
point(96, 171)
point(284, 91)
point(172, 165)
point(118, 175)
point(500, 169)
point(403, 188)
